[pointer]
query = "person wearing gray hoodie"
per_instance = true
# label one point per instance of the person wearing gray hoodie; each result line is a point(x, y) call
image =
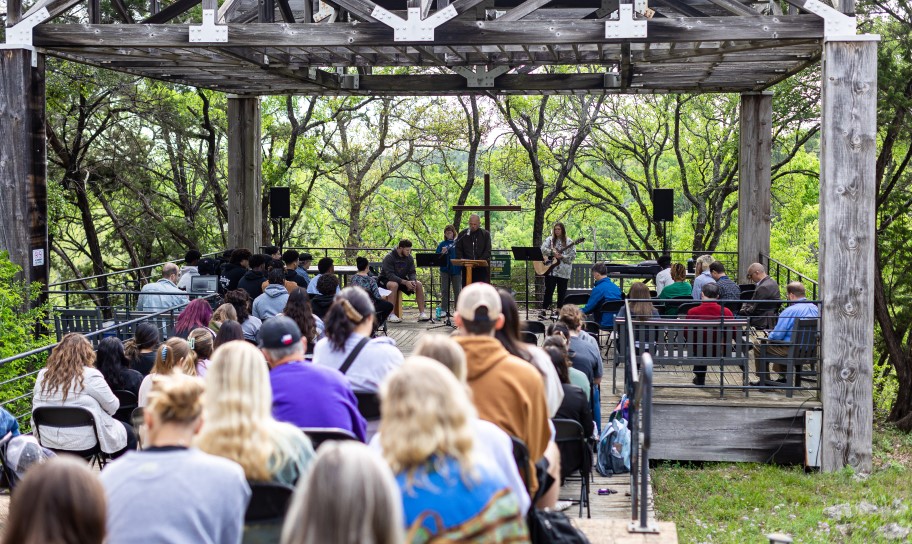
point(273, 299)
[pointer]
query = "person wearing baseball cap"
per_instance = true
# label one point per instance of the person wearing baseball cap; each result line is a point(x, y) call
point(507, 391)
point(305, 394)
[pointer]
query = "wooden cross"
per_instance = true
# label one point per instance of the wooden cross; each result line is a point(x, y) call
point(487, 207)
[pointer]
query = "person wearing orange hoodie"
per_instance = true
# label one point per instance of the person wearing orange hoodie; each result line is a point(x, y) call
point(507, 391)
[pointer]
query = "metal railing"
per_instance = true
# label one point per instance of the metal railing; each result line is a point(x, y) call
point(20, 404)
point(780, 271)
point(639, 387)
point(95, 288)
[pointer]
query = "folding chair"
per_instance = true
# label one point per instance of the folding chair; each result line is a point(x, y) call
point(536, 327)
point(266, 511)
point(578, 299)
point(136, 419)
point(69, 417)
point(5, 471)
point(128, 403)
point(529, 337)
point(610, 307)
point(521, 457)
point(368, 405)
point(319, 435)
point(575, 457)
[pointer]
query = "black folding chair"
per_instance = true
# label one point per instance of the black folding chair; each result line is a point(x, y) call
point(576, 457)
point(69, 417)
point(128, 403)
point(529, 337)
point(8, 476)
point(521, 457)
point(536, 327)
point(268, 502)
point(578, 299)
point(686, 307)
point(136, 419)
point(368, 405)
point(609, 307)
point(319, 435)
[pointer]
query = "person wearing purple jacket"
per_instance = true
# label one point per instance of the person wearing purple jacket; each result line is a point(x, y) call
point(305, 394)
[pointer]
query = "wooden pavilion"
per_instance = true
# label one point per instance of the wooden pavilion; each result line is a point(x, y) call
point(249, 48)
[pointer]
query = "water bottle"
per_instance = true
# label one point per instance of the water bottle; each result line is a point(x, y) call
point(438, 312)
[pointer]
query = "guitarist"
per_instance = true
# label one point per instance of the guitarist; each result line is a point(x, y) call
point(562, 254)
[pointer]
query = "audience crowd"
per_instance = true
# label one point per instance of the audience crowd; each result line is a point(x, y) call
point(230, 400)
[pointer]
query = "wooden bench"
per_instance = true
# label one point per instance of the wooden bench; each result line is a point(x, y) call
point(688, 342)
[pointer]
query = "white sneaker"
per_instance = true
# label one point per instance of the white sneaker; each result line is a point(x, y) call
point(560, 506)
point(423, 316)
point(393, 318)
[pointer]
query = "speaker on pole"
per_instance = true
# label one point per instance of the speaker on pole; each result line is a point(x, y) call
point(663, 204)
point(280, 202)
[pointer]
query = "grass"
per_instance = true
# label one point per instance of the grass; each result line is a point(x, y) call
point(743, 502)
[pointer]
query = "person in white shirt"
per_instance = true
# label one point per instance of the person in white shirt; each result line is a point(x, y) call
point(349, 325)
point(663, 278)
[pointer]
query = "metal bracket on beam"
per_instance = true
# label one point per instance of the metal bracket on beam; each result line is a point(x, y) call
point(481, 76)
point(21, 33)
point(835, 22)
point(414, 29)
point(209, 31)
point(350, 81)
point(626, 26)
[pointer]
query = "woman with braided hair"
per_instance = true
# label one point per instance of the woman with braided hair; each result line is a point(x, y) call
point(348, 346)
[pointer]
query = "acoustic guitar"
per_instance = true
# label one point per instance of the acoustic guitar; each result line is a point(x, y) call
point(544, 267)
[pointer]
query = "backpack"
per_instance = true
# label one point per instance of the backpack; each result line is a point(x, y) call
point(613, 454)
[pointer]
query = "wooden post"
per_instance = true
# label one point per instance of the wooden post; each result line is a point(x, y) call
point(244, 180)
point(754, 175)
point(848, 147)
point(23, 160)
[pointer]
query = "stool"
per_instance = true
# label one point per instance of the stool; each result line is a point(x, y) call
point(397, 305)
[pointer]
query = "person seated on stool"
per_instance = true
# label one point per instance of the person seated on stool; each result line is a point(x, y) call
point(399, 275)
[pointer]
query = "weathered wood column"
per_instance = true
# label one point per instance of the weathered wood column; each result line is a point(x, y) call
point(23, 163)
point(754, 179)
point(244, 173)
point(848, 148)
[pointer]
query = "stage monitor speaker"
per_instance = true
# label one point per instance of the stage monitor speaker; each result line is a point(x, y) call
point(663, 204)
point(279, 202)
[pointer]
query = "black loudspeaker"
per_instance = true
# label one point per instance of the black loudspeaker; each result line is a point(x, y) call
point(279, 202)
point(663, 204)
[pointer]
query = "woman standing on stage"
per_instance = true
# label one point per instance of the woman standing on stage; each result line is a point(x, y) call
point(556, 246)
point(450, 274)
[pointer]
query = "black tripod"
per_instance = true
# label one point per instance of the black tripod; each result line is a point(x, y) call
point(530, 253)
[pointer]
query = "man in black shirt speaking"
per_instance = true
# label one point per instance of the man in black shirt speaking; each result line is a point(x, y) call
point(475, 243)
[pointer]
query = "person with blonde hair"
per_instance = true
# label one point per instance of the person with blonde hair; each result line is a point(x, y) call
point(202, 341)
point(239, 423)
point(221, 314)
point(70, 379)
point(174, 355)
point(701, 275)
point(60, 501)
point(346, 477)
point(170, 491)
point(427, 439)
point(492, 444)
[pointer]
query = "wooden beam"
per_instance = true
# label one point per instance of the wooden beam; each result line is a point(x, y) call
point(23, 153)
point(175, 9)
point(754, 196)
point(848, 148)
point(244, 179)
point(737, 8)
point(123, 11)
point(522, 10)
point(453, 33)
point(361, 9)
point(13, 12)
point(285, 9)
point(682, 7)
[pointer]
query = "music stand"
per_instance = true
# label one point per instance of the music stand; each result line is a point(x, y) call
point(431, 260)
point(527, 253)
